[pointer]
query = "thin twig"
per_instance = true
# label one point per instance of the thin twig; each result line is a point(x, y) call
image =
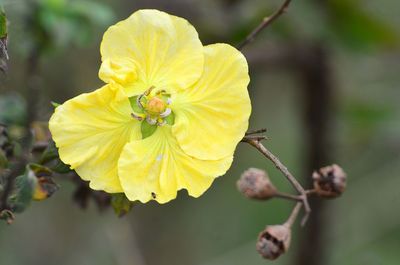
point(257, 131)
point(265, 23)
point(278, 164)
point(255, 137)
point(287, 196)
point(293, 216)
point(310, 192)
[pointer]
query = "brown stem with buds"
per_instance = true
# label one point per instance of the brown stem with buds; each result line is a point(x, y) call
point(278, 164)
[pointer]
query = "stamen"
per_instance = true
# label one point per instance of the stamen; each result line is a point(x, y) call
point(138, 99)
point(165, 113)
point(137, 117)
point(162, 91)
point(146, 93)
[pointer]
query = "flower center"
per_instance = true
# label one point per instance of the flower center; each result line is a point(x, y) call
point(152, 109)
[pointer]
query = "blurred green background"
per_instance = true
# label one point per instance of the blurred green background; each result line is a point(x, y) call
point(324, 82)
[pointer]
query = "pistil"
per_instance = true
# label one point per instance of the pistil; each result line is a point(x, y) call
point(152, 107)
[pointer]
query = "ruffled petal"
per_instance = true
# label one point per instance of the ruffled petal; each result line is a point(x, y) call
point(156, 168)
point(212, 115)
point(90, 131)
point(166, 50)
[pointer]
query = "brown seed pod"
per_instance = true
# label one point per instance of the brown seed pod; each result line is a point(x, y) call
point(254, 183)
point(274, 241)
point(329, 181)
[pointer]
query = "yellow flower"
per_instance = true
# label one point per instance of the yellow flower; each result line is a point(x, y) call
point(169, 117)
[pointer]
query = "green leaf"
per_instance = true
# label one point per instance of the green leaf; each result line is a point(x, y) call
point(147, 129)
point(49, 154)
point(59, 167)
point(121, 204)
point(36, 183)
point(134, 105)
point(55, 104)
point(170, 119)
point(23, 192)
point(38, 170)
point(50, 158)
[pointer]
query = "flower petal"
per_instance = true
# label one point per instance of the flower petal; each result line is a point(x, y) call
point(156, 168)
point(90, 131)
point(212, 115)
point(166, 49)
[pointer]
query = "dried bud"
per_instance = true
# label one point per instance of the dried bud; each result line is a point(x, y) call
point(274, 241)
point(255, 184)
point(44, 188)
point(7, 215)
point(43, 182)
point(330, 181)
point(121, 204)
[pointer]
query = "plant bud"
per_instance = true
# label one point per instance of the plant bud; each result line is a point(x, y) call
point(44, 188)
point(43, 182)
point(274, 241)
point(330, 181)
point(255, 184)
point(7, 215)
point(121, 204)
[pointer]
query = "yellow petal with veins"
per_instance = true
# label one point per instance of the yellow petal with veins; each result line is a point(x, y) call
point(156, 168)
point(166, 49)
point(90, 131)
point(211, 116)
point(122, 71)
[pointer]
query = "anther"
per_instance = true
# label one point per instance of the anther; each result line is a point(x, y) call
point(139, 118)
point(148, 91)
point(165, 113)
point(162, 91)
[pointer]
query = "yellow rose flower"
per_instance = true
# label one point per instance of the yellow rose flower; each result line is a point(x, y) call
point(169, 118)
